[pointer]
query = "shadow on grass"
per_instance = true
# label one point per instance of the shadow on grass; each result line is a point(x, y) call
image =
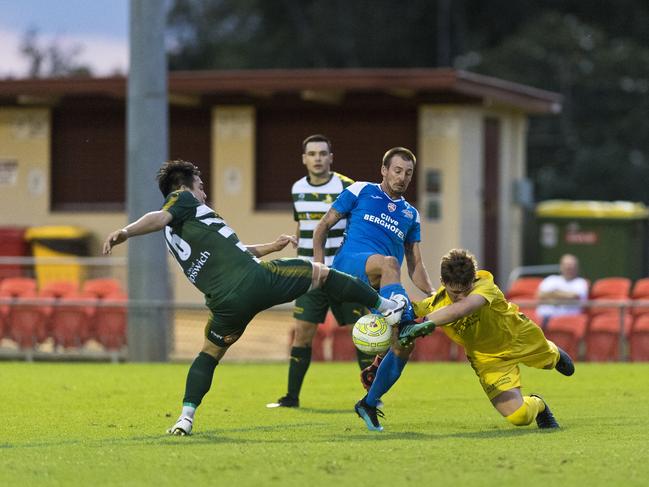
point(327, 411)
point(223, 436)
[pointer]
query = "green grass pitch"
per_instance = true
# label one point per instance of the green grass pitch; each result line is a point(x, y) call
point(102, 424)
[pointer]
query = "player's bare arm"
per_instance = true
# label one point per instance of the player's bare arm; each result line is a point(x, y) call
point(320, 234)
point(448, 314)
point(558, 294)
point(416, 268)
point(259, 250)
point(148, 223)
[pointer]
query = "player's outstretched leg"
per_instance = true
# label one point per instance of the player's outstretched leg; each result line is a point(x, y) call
point(343, 287)
point(545, 419)
point(396, 292)
point(393, 315)
point(369, 414)
point(565, 365)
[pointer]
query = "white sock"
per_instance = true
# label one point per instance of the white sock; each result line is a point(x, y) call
point(188, 411)
point(386, 304)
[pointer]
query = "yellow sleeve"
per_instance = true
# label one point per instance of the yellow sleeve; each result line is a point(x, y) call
point(485, 286)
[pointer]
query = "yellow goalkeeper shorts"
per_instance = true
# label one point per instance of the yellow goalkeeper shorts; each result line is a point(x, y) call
point(499, 372)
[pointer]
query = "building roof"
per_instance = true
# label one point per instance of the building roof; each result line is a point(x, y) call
point(318, 84)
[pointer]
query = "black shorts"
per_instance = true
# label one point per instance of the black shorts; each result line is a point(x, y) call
point(313, 306)
point(271, 283)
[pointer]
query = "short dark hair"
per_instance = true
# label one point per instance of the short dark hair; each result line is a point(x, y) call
point(402, 152)
point(172, 175)
point(458, 267)
point(316, 138)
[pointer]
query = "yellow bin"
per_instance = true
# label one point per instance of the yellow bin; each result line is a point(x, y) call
point(57, 248)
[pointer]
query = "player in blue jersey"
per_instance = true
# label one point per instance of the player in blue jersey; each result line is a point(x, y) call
point(382, 228)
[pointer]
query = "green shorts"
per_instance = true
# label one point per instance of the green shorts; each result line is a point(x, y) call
point(313, 306)
point(271, 283)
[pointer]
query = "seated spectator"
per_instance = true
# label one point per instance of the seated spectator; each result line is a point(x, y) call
point(567, 286)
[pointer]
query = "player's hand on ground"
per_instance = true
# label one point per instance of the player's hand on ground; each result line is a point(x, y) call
point(115, 238)
point(283, 240)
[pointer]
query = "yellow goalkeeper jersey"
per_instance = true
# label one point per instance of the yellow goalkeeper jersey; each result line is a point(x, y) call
point(489, 329)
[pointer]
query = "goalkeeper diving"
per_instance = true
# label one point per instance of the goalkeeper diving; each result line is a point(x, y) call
point(496, 337)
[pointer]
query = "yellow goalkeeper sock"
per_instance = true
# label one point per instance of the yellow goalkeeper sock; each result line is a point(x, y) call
point(525, 414)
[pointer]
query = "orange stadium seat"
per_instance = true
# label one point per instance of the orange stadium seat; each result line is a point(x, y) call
point(640, 297)
point(26, 320)
point(110, 321)
point(639, 339)
point(567, 331)
point(608, 289)
point(610, 286)
point(58, 289)
point(523, 293)
point(524, 287)
point(435, 347)
point(70, 320)
point(102, 287)
point(15, 286)
point(603, 337)
point(11, 289)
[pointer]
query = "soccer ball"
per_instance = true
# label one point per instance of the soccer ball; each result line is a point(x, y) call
point(371, 334)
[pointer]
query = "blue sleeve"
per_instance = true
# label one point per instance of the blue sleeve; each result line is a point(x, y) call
point(345, 202)
point(414, 233)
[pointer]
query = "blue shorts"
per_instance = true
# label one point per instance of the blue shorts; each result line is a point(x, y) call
point(352, 263)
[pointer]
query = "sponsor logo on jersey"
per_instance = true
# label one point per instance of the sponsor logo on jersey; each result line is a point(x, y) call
point(391, 206)
point(197, 266)
point(387, 222)
point(300, 196)
point(408, 214)
point(376, 197)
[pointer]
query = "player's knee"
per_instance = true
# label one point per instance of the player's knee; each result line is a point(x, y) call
point(391, 263)
point(304, 333)
point(213, 350)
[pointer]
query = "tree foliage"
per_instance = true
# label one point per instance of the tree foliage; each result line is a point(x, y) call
point(597, 148)
point(595, 53)
point(51, 60)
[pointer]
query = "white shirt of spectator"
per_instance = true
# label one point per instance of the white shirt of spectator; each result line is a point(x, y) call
point(578, 286)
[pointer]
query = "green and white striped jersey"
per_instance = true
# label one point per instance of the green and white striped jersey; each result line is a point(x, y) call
point(310, 203)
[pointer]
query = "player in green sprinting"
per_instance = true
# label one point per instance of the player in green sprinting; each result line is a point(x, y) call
point(236, 284)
